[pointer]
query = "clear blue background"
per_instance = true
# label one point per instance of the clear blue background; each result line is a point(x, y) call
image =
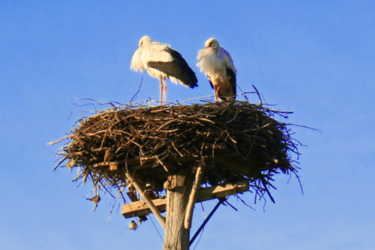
point(315, 58)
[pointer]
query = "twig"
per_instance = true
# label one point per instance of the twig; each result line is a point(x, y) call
point(260, 98)
point(66, 137)
point(136, 93)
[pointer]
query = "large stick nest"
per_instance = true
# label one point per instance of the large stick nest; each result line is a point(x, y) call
point(235, 140)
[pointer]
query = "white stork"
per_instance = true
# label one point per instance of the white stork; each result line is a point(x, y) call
point(162, 62)
point(218, 66)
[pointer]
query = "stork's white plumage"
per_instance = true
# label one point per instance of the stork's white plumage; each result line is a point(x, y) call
point(218, 66)
point(162, 62)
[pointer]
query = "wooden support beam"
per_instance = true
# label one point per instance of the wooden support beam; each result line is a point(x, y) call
point(150, 204)
point(140, 208)
point(193, 195)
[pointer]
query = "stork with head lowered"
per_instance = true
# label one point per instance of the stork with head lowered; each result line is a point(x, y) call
point(218, 66)
point(162, 62)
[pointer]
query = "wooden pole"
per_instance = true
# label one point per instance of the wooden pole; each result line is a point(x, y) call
point(149, 202)
point(176, 236)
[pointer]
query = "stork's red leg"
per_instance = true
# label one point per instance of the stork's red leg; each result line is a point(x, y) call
point(161, 91)
point(217, 89)
point(165, 91)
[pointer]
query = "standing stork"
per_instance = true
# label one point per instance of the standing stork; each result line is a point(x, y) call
point(162, 62)
point(218, 66)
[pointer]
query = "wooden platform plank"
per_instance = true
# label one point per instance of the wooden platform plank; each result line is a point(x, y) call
point(140, 208)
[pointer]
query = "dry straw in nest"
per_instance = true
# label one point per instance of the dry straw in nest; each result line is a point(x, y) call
point(236, 141)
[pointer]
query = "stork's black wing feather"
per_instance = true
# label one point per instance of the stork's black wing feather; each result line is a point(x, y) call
point(178, 68)
point(209, 80)
point(232, 79)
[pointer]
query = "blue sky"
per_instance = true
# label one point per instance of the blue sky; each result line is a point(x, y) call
point(315, 58)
